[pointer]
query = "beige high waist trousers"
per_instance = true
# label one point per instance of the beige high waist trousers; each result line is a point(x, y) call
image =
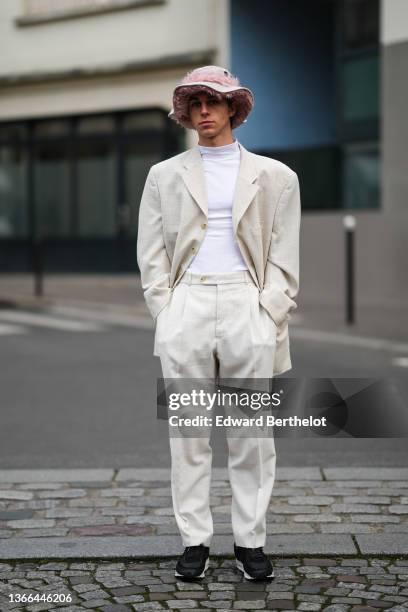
point(214, 325)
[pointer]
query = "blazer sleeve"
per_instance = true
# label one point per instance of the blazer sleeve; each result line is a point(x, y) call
point(282, 269)
point(152, 257)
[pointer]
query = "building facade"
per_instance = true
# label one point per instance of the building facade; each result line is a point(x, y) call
point(85, 88)
point(331, 82)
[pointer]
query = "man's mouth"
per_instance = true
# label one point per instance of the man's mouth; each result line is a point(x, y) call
point(206, 122)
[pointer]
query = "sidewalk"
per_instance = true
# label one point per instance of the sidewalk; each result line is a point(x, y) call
point(107, 540)
point(118, 293)
point(99, 513)
point(122, 294)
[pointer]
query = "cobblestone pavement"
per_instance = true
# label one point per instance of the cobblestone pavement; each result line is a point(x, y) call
point(307, 583)
point(78, 503)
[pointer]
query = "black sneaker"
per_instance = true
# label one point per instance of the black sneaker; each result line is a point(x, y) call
point(193, 562)
point(253, 563)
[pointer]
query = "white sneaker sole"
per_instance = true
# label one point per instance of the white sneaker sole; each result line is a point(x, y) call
point(202, 575)
point(247, 576)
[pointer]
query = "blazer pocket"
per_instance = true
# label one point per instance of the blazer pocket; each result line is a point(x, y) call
point(165, 307)
point(159, 330)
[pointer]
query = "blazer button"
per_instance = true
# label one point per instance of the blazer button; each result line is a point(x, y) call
point(203, 225)
point(193, 249)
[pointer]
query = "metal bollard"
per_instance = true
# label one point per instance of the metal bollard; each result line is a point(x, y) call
point(349, 223)
point(38, 266)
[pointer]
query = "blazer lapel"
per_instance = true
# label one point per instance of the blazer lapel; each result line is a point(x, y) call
point(245, 189)
point(194, 178)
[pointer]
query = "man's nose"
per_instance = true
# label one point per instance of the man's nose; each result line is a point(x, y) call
point(204, 109)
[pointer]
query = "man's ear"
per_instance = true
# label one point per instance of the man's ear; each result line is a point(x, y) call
point(231, 108)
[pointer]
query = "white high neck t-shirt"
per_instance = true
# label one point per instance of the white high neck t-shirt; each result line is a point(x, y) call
point(219, 251)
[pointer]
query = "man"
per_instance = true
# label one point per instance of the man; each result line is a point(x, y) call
point(218, 252)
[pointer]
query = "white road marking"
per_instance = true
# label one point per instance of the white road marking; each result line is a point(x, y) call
point(400, 361)
point(6, 330)
point(316, 335)
point(94, 320)
point(136, 321)
point(41, 320)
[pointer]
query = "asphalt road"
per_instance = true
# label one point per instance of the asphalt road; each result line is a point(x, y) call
point(76, 396)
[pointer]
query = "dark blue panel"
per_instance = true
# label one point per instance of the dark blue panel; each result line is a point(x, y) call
point(284, 51)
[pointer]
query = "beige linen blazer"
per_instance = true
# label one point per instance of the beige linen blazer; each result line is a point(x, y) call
point(266, 216)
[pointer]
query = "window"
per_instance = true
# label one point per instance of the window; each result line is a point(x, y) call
point(80, 177)
point(358, 91)
point(13, 191)
point(361, 172)
point(95, 161)
point(360, 24)
point(358, 69)
point(360, 88)
point(51, 189)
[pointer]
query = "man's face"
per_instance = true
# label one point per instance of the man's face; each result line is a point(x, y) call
point(209, 116)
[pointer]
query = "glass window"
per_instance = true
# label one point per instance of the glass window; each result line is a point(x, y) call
point(102, 124)
point(361, 171)
point(48, 129)
point(361, 23)
point(51, 189)
point(13, 131)
point(139, 156)
point(76, 188)
point(150, 120)
point(361, 88)
point(13, 196)
point(96, 188)
point(318, 169)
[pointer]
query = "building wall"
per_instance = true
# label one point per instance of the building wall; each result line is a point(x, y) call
point(394, 38)
point(116, 63)
point(143, 33)
point(381, 236)
point(106, 62)
point(113, 60)
point(394, 21)
point(286, 59)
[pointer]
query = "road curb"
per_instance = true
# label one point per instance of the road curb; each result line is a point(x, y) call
point(140, 547)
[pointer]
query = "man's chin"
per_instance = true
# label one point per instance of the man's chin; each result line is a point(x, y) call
point(208, 132)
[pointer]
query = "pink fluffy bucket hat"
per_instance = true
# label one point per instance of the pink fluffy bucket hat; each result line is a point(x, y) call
point(217, 81)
